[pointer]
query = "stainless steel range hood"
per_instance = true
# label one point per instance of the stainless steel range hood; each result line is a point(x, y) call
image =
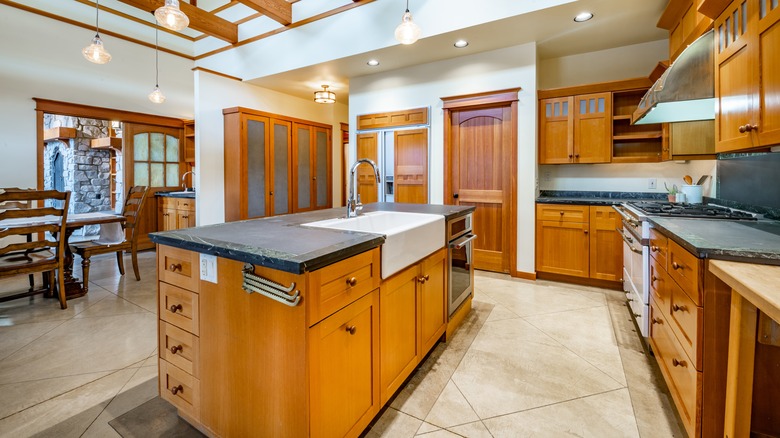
point(686, 90)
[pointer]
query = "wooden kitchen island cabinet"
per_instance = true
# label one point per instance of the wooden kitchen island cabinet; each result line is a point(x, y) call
point(241, 364)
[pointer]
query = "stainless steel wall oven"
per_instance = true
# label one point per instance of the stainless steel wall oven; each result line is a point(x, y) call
point(461, 263)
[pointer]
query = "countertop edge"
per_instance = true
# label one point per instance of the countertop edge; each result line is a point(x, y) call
point(752, 281)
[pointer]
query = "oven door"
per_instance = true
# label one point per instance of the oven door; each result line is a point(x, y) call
point(461, 271)
point(634, 277)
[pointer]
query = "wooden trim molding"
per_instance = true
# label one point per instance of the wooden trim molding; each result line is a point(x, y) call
point(524, 275)
point(277, 10)
point(392, 119)
point(206, 70)
point(600, 87)
point(151, 24)
point(79, 110)
point(242, 110)
point(200, 20)
point(481, 99)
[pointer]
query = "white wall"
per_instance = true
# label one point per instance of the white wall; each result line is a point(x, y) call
point(214, 93)
point(41, 57)
point(425, 85)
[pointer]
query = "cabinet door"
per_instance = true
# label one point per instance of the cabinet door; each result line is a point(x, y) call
point(734, 84)
point(606, 244)
point(302, 141)
point(185, 219)
point(767, 50)
point(433, 309)
point(279, 167)
point(398, 330)
point(593, 128)
point(344, 363)
point(321, 165)
point(411, 166)
point(556, 130)
point(256, 140)
point(367, 145)
point(562, 248)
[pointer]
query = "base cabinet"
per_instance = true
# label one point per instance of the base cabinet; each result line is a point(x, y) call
point(242, 364)
point(175, 213)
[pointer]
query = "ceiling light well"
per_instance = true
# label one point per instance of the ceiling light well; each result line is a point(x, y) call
point(461, 44)
point(373, 62)
point(583, 16)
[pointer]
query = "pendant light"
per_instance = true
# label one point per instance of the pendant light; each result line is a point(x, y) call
point(95, 52)
point(408, 32)
point(170, 16)
point(156, 95)
point(324, 96)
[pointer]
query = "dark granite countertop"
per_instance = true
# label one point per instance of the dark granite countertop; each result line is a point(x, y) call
point(178, 194)
point(280, 242)
point(593, 198)
point(744, 241)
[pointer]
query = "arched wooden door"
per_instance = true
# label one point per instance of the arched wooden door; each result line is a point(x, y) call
point(480, 166)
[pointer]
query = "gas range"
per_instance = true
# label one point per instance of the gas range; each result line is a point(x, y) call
point(705, 211)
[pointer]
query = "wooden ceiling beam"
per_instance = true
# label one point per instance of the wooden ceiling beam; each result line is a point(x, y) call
point(279, 10)
point(200, 20)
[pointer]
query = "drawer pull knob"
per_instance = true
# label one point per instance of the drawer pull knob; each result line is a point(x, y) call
point(176, 348)
point(585, 231)
point(561, 213)
point(177, 389)
point(175, 308)
point(654, 278)
point(676, 266)
point(679, 308)
point(427, 277)
point(636, 315)
point(657, 321)
point(351, 329)
point(654, 248)
point(174, 267)
point(679, 363)
point(352, 281)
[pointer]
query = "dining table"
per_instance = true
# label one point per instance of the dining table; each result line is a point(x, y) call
point(73, 285)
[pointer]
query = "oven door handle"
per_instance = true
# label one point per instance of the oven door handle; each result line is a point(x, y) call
point(629, 241)
point(459, 243)
point(625, 217)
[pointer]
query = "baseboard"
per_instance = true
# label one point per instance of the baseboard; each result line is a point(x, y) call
point(606, 284)
point(524, 275)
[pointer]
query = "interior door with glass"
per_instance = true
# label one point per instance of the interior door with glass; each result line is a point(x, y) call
point(153, 157)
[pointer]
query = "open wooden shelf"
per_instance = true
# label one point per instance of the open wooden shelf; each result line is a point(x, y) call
point(59, 133)
point(638, 136)
point(106, 143)
point(622, 117)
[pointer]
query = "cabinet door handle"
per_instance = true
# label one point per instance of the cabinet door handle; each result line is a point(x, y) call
point(679, 308)
point(653, 279)
point(747, 128)
point(654, 248)
point(177, 389)
point(427, 277)
point(351, 329)
point(175, 349)
point(657, 321)
point(585, 231)
point(576, 155)
point(421, 279)
point(561, 212)
point(676, 266)
point(352, 281)
point(570, 155)
point(679, 363)
point(175, 308)
point(174, 267)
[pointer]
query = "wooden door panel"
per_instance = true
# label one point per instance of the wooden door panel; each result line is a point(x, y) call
point(398, 330)
point(768, 117)
point(562, 248)
point(489, 227)
point(366, 187)
point(606, 244)
point(411, 166)
point(556, 131)
point(593, 128)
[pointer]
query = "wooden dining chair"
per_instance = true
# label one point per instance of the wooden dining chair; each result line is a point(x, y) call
point(25, 246)
point(134, 203)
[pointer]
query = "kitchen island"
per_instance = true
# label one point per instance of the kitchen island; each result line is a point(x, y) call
point(318, 350)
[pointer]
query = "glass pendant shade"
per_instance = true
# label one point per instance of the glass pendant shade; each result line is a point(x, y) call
point(408, 32)
point(324, 96)
point(170, 16)
point(95, 52)
point(157, 95)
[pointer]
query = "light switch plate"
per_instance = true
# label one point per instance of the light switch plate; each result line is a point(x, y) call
point(208, 268)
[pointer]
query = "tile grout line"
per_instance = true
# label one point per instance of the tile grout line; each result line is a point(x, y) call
point(113, 397)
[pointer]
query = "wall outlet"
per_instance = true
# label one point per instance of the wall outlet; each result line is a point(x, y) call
point(547, 176)
point(208, 268)
point(651, 183)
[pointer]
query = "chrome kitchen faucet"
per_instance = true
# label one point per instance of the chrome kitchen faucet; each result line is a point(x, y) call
point(354, 205)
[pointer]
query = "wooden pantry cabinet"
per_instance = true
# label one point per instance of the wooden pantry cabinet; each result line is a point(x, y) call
point(579, 241)
point(689, 315)
point(275, 164)
point(747, 46)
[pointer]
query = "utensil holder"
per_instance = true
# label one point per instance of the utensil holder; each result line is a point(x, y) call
point(693, 193)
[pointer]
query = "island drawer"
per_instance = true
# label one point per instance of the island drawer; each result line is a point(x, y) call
point(659, 284)
point(180, 389)
point(684, 269)
point(179, 267)
point(685, 383)
point(180, 348)
point(179, 307)
point(336, 286)
point(562, 213)
point(658, 247)
point(686, 322)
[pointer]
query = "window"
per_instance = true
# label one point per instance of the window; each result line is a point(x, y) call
point(156, 159)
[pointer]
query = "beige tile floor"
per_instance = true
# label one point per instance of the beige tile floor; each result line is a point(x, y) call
point(532, 359)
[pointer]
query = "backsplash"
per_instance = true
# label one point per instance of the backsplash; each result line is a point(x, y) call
point(751, 181)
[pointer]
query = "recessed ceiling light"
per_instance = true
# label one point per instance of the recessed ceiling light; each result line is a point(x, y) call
point(584, 16)
point(461, 44)
point(373, 62)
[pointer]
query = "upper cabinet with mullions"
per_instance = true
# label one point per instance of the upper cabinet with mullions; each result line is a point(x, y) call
point(576, 129)
point(274, 164)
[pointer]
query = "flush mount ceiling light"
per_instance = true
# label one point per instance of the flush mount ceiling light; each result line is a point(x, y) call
point(373, 62)
point(324, 96)
point(461, 44)
point(156, 95)
point(408, 32)
point(95, 52)
point(583, 16)
point(170, 16)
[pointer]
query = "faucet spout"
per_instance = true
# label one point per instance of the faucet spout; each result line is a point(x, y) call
point(184, 180)
point(353, 203)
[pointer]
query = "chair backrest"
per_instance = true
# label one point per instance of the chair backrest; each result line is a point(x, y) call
point(34, 218)
point(134, 204)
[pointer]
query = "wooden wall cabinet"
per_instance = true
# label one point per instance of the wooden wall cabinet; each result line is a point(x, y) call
point(367, 147)
point(684, 22)
point(575, 129)
point(633, 143)
point(189, 142)
point(175, 213)
point(747, 46)
point(275, 164)
point(579, 241)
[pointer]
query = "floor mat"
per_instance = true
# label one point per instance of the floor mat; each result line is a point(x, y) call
point(154, 419)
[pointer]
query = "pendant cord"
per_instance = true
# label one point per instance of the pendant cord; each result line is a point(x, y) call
point(156, 57)
point(407, 5)
point(97, 18)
